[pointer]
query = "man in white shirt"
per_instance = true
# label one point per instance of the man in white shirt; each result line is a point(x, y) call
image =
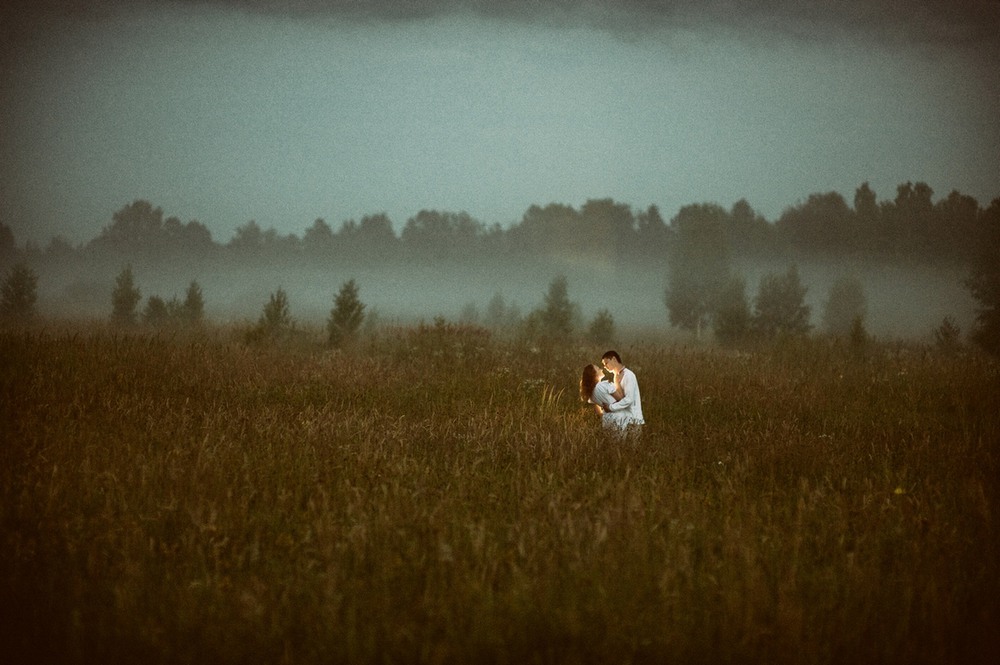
point(626, 412)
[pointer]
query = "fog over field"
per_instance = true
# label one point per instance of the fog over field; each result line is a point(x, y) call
point(903, 302)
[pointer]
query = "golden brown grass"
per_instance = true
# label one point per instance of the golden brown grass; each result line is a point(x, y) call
point(443, 497)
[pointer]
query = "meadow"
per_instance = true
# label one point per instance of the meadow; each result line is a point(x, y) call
point(439, 495)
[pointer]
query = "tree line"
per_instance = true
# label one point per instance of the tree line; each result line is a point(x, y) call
point(911, 226)
point(696, 248)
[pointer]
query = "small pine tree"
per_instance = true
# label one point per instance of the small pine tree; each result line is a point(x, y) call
point(125, 298)
point(602, 328)
point(347, 315)
point(193, 310)
point(19, 293)
point(780, 308)
point(276, 318)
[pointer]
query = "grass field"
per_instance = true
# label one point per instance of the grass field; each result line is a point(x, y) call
point(444, 497)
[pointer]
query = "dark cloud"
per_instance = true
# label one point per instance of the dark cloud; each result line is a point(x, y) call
point(947, 22)
point(942, 22)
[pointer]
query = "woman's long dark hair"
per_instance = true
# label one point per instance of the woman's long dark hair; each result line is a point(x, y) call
point(590, 379)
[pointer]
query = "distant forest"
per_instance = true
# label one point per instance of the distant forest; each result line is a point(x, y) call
point(910, 227)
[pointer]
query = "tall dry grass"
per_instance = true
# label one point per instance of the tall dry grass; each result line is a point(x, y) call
point(440, 496)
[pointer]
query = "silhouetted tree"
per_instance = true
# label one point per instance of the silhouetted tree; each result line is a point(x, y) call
point(911, 218)
point(137, 227)
point(984, 280)
point(698, 267)
point(957, 219)
point(544, 231)
point(193, 237)
point(869, 233)
point(556, 317)
point(318, 239)
point(603, 228)
point(248, 239)
point(438, 235)
point(823, 224)
point(747, 233)
point(780, 308)
point(19, 293)
point(375, 239)
point(652, 235)
point(845, 304)
point(347, 315)
point(125, 298)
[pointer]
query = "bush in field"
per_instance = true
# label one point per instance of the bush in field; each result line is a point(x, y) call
point(347, 315)
point(159, 312)
point(731, 324)
point(19, 293)
point(780, 308)
point(845, 303)
point(125, 298)
point(602, 328)
point(948, 336)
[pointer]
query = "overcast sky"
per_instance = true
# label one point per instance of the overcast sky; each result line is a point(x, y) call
point(232, 111)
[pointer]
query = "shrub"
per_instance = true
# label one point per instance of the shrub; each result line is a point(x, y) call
point(948, 336)
point(780, 308)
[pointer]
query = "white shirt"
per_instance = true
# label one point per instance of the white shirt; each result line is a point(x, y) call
point(628, 410)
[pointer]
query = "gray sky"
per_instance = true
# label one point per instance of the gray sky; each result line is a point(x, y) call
point(283, 112)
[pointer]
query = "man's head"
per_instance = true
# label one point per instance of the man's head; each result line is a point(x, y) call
point(611, 360)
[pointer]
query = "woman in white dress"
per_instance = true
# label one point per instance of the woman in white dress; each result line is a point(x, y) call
point(596, 390)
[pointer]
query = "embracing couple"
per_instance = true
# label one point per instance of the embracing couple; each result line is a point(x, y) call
point(616, 399)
